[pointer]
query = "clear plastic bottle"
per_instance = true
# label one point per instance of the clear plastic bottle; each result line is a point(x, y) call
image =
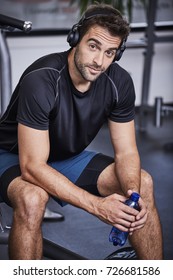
point(117, 236)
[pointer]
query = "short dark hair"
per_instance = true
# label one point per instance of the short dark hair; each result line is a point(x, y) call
point(107, 17)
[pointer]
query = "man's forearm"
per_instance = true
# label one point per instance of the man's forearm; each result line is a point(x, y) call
point(58, 185)
point(128, 172)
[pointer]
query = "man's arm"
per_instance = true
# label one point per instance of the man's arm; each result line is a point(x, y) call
point(33, 155)
point(127, 161)
point(127, 164)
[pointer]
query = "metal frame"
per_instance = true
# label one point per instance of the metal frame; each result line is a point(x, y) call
point(5, 72)
point(151, 39)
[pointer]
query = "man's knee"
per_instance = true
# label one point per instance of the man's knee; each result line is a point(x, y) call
point(28, 201)
point(147, 191)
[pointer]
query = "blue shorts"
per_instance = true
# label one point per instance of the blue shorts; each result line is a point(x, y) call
point(71, 168)
point(74, 168)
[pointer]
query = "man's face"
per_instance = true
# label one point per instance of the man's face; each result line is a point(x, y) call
point(95, 52)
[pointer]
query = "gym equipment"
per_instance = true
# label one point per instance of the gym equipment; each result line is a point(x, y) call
point(161, 110)
point(52, 215)
point(123, 254)
point(150, 39)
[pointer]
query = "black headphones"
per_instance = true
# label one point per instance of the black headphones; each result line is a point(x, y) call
point(73, 36)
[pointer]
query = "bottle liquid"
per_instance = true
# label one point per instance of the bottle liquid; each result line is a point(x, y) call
point(117, 236)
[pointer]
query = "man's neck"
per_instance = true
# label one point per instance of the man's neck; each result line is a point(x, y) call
point(78, 81)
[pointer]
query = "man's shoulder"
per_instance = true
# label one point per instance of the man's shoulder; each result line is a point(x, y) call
point(115, 67)
point(53, 60)
point(118, 74)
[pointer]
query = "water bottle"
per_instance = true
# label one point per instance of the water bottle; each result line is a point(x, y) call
point(117, 236)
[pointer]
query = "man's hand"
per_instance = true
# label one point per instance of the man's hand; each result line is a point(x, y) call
point(112, 210)
point(141, 217)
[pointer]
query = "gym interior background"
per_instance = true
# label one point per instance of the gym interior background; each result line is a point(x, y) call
point(81, 232)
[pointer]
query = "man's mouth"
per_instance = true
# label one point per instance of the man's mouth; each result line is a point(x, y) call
point(95, 70)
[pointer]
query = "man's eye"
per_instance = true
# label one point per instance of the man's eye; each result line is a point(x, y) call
point(92, 47)
point(110, 53)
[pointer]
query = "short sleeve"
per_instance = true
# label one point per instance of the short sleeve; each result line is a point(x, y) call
point(124, 108)
point(36, 99)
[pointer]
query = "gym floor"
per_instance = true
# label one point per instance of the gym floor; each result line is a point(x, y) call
point(84, 234)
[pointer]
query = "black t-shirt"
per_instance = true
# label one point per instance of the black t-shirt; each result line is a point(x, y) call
point(46, 99)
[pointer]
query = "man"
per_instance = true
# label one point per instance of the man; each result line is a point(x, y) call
point(59, 105)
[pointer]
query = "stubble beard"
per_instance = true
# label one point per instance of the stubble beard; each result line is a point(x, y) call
point(82, 68)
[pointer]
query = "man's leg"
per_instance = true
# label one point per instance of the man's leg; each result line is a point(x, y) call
point(147, 241)
point(28, 202)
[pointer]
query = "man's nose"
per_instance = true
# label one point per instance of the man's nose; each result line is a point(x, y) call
point(98, 59)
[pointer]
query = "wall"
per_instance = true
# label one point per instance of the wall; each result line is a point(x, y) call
point(24, 50)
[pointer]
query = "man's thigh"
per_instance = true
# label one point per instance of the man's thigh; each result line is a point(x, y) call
point(9, 169)
point(94, 173)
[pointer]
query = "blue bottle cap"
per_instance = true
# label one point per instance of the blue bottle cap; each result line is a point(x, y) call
point(135, 196)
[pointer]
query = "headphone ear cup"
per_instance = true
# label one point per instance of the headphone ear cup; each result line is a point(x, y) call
point(118, 55)
point(120, 51)
point(73, 36)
